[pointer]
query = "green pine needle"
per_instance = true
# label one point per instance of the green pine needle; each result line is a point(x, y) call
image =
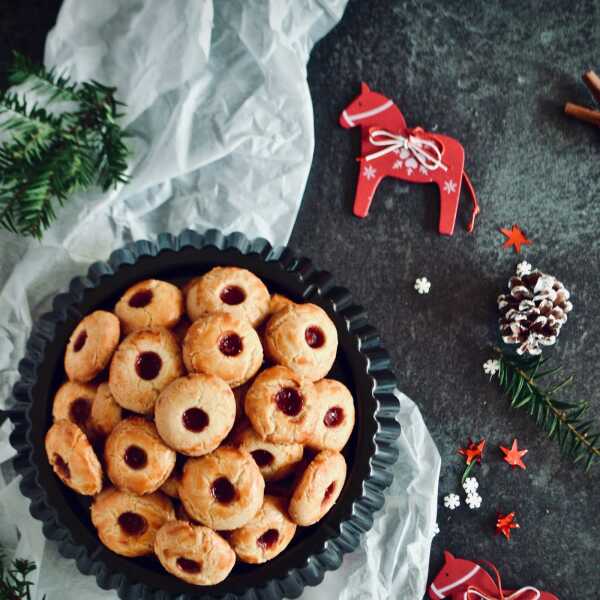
point(561, 420)
point(14, 578)
point(46, 157)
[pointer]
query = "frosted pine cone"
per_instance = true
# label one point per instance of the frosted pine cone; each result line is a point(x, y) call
point(533, 312)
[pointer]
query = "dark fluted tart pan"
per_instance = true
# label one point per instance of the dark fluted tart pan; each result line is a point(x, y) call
point(362, 364)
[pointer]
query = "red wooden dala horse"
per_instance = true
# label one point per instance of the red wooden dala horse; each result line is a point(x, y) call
point(462, 579)
point(390, 149)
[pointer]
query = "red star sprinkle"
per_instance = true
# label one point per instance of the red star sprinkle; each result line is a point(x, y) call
point(505, 523)
point(514, 455)
point(515, 237)
point(473, 451)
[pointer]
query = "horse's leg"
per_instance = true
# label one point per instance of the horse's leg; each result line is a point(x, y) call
point(369, 177)
point(449, 183)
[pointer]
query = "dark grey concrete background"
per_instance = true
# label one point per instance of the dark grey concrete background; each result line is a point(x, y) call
point(494, 75)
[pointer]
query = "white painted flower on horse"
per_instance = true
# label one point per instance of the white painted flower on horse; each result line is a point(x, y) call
point(370, 172)
point(449, 186)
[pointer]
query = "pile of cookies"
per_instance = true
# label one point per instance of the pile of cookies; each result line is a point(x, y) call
point(184, 405)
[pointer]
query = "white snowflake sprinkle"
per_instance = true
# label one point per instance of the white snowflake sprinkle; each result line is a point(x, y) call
point(523, 268)
point(422, 285)
point(491, 366)
point(423, 170)
point(449, 186)
point(436, 529)
point(470, 485)
point(397, 164)
point(451, 501)
point(473, 501)
point(370, 172)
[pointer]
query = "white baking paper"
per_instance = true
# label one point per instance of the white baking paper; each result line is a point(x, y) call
point(221, 118)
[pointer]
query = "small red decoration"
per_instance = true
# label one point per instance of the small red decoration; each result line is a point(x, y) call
point(513, 455)
point(473, 451)
point(390, 149)
point(505, 523)
point(461, 579)
point(515, 237)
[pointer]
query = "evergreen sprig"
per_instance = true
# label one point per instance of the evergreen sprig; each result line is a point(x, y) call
point(14, 579)
point(562, 421)
point(49, 154)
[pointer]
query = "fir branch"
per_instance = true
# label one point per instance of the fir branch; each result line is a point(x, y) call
point(561, 420)
point(14, 579)
point(50, 156)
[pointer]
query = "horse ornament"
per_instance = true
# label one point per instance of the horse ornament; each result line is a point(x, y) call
point(390, 149)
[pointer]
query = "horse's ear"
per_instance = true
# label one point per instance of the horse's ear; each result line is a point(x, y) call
point(448, 556)
point(364, 88)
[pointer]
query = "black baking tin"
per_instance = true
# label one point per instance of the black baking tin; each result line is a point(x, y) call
point(362, 364)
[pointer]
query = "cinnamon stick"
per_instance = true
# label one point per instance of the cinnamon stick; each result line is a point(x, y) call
point(593, 84)
point(582, 113)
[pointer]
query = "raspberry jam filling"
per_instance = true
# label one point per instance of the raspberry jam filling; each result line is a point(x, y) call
point(147, 365)
point(268, 539)
point(222, 490)
point(80, 341)
point(62, 466)
point(314, 336)
point(194, 419)
point(188, 565)
point(333, 417)
point(263, 458)
point(230, 344)
point(232, 294)
point(80, 411)
point(328, 492)
point(132, 524)
point(289, 401)
point(141, 299)
point(135, 457)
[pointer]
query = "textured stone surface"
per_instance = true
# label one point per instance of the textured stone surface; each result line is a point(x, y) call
point(494, 75)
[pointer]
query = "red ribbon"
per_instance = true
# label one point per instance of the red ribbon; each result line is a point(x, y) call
point(481, 595)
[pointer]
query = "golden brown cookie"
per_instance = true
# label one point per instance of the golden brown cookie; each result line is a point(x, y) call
point(193, 414)
point(144, 364)
point(282, 406)
point(222, 490)
point(106, 413)
point(193, 553)
point(150, 303)
point(127, 524)
point(171, 486)
point(74, 401)
point(91, 346)
point(231, 290)
point(336, 416)
point(279, 302)
point(275, 461)
point(225, 346)
point(72, 458)
point(318, 488)
point(266, 535)
point(303, 338)
point(137, 460)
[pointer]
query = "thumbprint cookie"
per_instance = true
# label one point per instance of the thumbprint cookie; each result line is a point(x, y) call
point(137, 460)
point(193, 553)
point(150, 303)
point(74, 401)
point(275, 461)
point(106, 413)
point(126, 523)
point(279, 302)
point(231, 290)
point(72, 458)
point(193, 414)
point(318, 488)
point(222, 490)
point(223, 345)
point(336, 416)
point(171, 486)
point(145, 362)
point(91, 346)
point(303, 338)
point(266, 535)
point(282, 406)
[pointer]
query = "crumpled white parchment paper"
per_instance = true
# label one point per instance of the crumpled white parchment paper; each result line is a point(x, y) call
point(220, 111)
